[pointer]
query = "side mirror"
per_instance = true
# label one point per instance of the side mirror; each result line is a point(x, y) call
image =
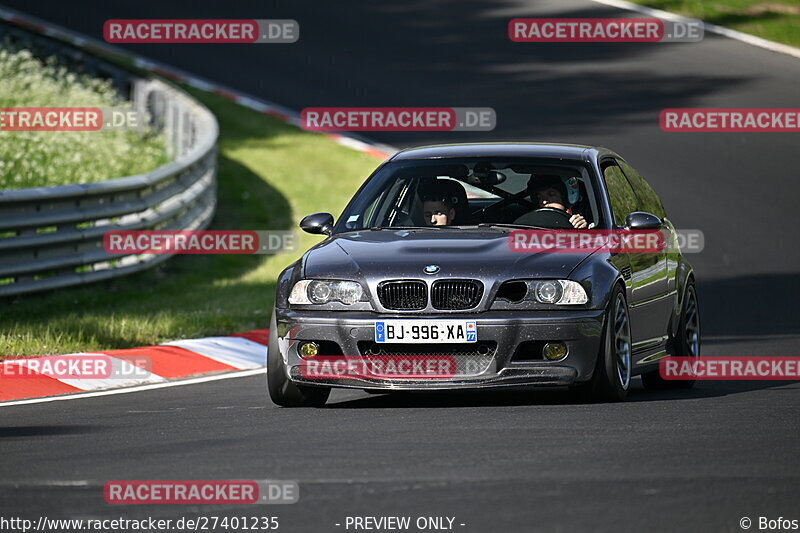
point(642, 220)
point(318, 224)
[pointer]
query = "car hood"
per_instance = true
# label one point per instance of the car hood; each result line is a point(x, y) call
point(459, 253)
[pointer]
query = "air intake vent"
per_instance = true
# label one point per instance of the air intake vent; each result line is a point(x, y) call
point(470, 358)
point(403, 294)
point(456, 294)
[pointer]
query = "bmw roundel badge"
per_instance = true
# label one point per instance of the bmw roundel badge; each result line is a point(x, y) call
point(431, 269)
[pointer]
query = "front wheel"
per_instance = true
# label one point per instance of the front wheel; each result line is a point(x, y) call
point(612, 373)
point(282, 390)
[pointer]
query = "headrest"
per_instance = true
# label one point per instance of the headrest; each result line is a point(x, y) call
point(449, 192)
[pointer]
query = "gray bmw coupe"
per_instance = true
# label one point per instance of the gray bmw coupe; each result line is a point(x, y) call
point(419, 285)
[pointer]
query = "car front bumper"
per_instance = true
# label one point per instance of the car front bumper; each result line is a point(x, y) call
point(514, 336)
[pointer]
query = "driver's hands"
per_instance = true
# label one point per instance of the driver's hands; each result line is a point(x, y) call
point(578, 222)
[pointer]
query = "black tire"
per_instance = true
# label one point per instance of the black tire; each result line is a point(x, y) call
point(612, 373)
point(282, 390)
point(687, 343)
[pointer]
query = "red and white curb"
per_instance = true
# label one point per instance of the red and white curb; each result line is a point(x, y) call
point(286, 115)
point(168, 361)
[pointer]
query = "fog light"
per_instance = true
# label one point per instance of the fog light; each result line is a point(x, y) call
point(554, 351)
point(308, 349)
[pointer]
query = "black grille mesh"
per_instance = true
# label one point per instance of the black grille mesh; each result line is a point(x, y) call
point(404, 295)
point(456, 294)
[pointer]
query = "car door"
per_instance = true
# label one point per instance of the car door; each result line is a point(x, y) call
point(649, 202)
point(649, 305)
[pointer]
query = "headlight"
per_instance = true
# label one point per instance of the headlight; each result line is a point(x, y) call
point(548, 292)
point(558, 292)
point(315, 291)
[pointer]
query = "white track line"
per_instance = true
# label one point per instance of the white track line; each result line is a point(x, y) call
point(142, 388)
point(712, 28)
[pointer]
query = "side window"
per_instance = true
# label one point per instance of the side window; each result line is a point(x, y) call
point(380, 211)
point(623, 200)
point(648, 199)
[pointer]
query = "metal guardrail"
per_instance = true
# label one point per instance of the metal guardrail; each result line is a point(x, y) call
point(52, 237)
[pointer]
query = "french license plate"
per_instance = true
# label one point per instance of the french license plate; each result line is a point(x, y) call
point(425, 331)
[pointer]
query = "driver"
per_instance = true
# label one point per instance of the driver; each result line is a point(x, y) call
point(550, 191)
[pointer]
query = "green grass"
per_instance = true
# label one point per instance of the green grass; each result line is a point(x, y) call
point(776, 20)
point(270, 176)
point(44, 158)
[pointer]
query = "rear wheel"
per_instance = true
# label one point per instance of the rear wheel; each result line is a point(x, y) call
point(687, 343)
point(282, 390)
point(612, 373)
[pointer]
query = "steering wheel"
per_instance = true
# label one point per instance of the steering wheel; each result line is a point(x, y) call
point(547, 217)
point(518, 198)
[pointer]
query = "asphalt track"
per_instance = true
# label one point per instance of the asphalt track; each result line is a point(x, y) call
point(515, 461)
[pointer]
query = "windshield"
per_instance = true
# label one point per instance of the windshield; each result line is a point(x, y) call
point(544, 193)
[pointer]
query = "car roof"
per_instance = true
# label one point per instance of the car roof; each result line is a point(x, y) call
point(548, 150)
